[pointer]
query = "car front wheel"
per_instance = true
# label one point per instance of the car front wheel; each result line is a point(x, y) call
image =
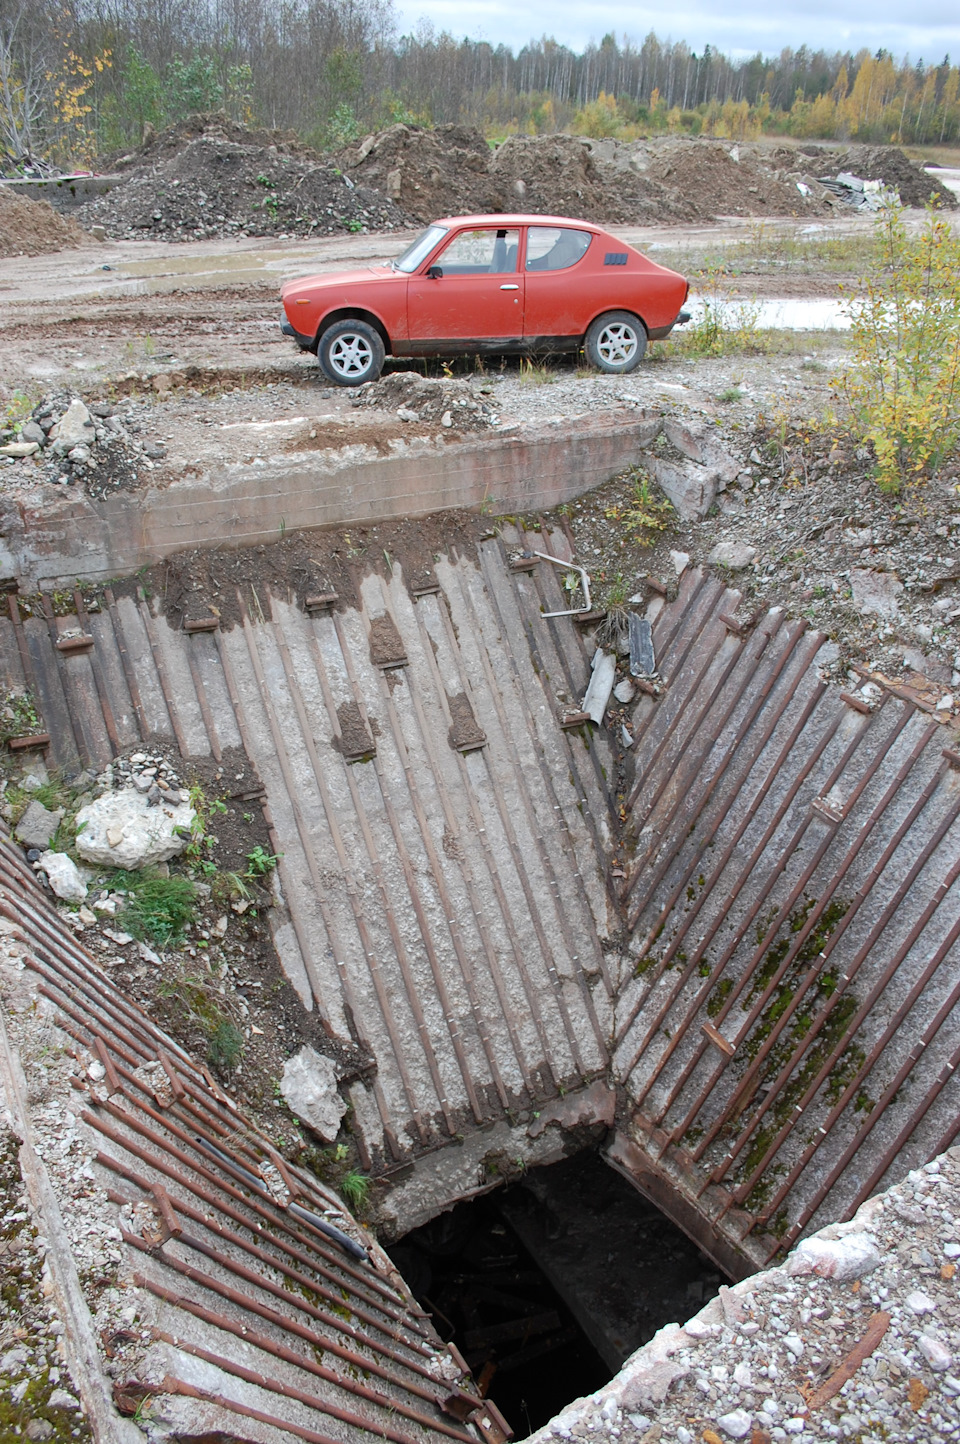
point(616, 342)
point(350, 353)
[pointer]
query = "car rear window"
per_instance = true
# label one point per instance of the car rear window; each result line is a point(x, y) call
point(419, 250)
point(555, 248)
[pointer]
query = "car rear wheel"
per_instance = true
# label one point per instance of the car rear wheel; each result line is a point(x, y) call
point(616, 342)
point(350, 353)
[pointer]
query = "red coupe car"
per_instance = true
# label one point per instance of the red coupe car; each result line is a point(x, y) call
point(489, 284)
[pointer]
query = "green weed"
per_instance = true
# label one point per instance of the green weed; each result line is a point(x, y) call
point(157, 909)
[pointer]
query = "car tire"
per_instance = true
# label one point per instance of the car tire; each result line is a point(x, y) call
point(615, 342)
point(350, 353)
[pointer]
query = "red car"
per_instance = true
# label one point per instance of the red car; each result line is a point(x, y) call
point(488, 284)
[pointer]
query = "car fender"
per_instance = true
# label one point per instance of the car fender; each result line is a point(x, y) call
point(353, 313)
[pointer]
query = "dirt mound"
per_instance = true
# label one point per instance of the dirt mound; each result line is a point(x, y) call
point(451, 404)
point(451, 171)
point(430, 173)
point(889, 164)
point(224, 181)
point(33, 228)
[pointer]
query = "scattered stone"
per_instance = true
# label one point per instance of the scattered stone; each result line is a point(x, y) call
point(920, 1303)
point(37, 826)
point(624, 691)
point(681, 560)
point(936, 1354)
point(63, 875)
point(309, 1085)
point(60, 1399)
point(121, 829)
point(737, 1424)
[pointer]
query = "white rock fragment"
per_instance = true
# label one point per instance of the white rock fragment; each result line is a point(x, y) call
point(121, 829)
point(74, 428)
point(919, 1303)
point(843, 1258)
point(732, 554)
point(597, 695)
point(63, 875)
point(875, 592)
point(794, 1343)
point(309, 1085)
point(737, 1424)
point(681, 560)
point(952, 1250)
point(937, 1355)
point(741, 1375)
point(624, 691)
point(794, 1425)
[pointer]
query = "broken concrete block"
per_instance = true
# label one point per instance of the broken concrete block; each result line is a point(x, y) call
point(840, 1259)
point(63, 875)
point(875, 592)
point(692, 489)
point(602, 678)
point(309, 1086)
point(37, 826)
point(685, 440)
point(121, 829)
point(733, 554)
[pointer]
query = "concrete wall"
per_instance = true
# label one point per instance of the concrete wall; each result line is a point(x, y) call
point(53, 535)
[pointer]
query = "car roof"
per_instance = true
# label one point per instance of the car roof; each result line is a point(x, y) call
point(499, 219)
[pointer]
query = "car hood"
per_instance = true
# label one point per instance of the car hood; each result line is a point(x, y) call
point(336, 280)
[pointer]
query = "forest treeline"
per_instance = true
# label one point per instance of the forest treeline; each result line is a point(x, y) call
point(81, 78)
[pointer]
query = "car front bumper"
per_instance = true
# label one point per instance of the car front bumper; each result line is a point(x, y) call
point(304, 342)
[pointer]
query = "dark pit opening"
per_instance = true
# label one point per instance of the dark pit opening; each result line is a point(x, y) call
point(547, 1285)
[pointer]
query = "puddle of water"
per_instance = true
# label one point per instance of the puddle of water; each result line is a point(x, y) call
point(783, 315)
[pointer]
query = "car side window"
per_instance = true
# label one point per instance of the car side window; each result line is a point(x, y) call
point(555, 248)
point(480, 253)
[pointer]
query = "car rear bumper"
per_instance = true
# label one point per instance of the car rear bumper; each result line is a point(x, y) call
point(660, 333)
point(304, 342)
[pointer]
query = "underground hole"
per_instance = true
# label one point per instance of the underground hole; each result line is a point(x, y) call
point(547, 1285)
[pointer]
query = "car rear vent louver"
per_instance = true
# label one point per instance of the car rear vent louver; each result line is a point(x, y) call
point(615, 258)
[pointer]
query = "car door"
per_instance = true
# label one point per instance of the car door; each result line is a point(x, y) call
point(557, 303)
point(471, 292)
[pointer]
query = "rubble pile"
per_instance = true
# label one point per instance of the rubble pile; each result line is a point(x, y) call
point(454, 405)
point(66, 442)
point(226, 182)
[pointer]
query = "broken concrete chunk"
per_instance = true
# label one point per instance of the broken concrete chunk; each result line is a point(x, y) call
point(733, 554)
point(875, 592)
point(121, 829)
point(692, 489)
point(63, 876)
point(309, 1086)
point(841, 1259)
point(643, 662)
point(602, 678)
point(624, 691)
point(37, 826)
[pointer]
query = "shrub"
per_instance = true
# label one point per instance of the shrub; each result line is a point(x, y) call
point(903, 386)
point(225, 1047)
point(157, 909)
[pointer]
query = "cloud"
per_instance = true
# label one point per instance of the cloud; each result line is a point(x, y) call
point(931, 31)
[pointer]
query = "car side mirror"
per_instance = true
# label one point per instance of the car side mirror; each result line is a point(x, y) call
point(434, 272)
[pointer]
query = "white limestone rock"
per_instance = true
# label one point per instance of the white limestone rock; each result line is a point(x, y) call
point(122, 829)
point(75, 427)
point(309, 1086)
point(63, 876)
point(841, 1259)
point(733, 555)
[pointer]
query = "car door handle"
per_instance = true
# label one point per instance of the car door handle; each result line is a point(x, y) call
point(509, 288)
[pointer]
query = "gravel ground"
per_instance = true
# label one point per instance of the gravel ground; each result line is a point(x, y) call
point(870, 1354)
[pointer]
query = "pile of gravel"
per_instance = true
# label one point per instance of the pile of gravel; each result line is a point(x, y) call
point(213, 184)
point(450, 404)
point(69, 443)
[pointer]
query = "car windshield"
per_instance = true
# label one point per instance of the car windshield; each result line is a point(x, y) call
point(420, 248)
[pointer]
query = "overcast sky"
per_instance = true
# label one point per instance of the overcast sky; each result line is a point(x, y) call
point(926, 29)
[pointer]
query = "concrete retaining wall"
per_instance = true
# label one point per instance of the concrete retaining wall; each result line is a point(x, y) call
point(53, 535)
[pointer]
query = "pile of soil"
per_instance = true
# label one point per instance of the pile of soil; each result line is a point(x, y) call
point(451, 404)
point(451, 171)
point(225, 181)
point(33, 228)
